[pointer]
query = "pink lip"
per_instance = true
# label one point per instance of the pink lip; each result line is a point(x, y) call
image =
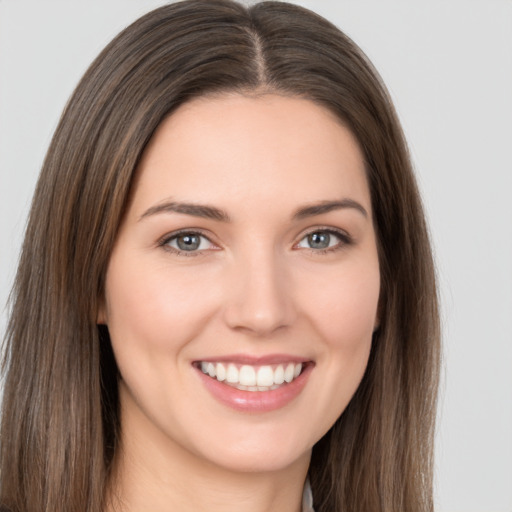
point(256, 401)
point(256, 360)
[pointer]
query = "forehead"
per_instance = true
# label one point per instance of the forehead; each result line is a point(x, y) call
point(251, 149)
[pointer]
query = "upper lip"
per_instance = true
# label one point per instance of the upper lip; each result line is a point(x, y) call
point(255, 360)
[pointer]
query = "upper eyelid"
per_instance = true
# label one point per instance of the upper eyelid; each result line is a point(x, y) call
point(188, 231)
point(165, 243)
point(198, 231)
point(344, 237)
point(328, 229)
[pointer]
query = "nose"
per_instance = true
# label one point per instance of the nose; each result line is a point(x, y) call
point(260, 297)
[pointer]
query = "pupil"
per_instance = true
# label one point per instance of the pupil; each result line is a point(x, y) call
point(319, 240)
point(188, 242)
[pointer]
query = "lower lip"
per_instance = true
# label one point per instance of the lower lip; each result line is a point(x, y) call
point(256, 401)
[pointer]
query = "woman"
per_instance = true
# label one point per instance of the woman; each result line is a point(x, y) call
point(226, 290)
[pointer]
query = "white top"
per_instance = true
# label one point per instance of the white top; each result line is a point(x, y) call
point(307, 498)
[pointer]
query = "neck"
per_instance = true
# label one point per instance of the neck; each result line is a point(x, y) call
point(152, 472)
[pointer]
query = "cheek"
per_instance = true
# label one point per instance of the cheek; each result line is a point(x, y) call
point(343, 314)
point(154, 309)
point(343, 304)
point(343, 311)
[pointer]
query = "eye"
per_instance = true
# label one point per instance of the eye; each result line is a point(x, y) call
point(323, 239)
point(187, 242)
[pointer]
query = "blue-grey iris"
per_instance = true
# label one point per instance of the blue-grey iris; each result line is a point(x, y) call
point(319, 240)
point(188, 242)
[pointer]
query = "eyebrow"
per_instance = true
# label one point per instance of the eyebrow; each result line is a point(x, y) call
point(211, 212)
point(328, 206)
point(196, 210)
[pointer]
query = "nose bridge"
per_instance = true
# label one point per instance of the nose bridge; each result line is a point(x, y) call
point(260, 299)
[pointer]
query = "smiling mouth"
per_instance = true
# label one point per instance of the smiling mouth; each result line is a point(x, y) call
point(252, 378)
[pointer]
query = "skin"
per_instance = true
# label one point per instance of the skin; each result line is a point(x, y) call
point(254, 286)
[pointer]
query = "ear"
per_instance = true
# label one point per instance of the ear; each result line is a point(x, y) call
point(101, 316)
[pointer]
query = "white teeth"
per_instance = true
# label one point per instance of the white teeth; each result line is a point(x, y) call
point(247, 376)
point(250, 378)
point(279, 375)
point(265, 376)
point(221, 372)
point(232, 374)
point(288, 373)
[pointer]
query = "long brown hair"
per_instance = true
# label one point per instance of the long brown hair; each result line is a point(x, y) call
point(60, 420)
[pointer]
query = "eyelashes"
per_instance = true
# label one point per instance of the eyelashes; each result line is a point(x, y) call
point(324, 240)
point(192, 242)
point(187, 243)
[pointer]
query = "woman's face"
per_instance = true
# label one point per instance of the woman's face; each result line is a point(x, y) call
point(241, 295)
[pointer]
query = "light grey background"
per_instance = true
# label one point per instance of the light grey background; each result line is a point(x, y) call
point(448, 65)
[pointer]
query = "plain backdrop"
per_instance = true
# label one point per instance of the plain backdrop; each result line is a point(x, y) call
point(448, 65)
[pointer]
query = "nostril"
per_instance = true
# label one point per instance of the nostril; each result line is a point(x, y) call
point(259, 301)
point(261, 319)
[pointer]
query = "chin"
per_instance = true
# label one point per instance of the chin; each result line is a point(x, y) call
point(243, 462)
point(257, 453)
